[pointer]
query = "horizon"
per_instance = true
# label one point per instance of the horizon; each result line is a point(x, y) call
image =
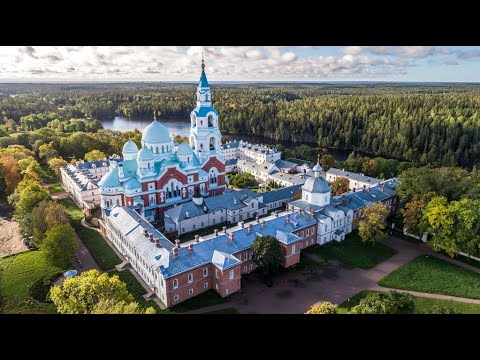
point(311, 64)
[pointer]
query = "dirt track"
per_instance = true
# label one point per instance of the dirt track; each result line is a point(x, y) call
point(10, 240)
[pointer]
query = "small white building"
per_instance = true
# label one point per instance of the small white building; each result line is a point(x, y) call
point(357, 181)
point(81, 181)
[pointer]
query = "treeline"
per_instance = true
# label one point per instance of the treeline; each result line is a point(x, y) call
point(416, 124)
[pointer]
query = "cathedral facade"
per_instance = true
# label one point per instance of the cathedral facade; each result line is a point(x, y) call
point(161, 174)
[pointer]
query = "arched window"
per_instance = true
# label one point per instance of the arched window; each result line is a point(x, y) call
point(151, 148)
point(188, 158)
point(212, 143)
point(148, 165)
point(210, 121)
point(157, 149)
point(163, 149)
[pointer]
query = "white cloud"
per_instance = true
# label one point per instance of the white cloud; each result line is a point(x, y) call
point(158, 63)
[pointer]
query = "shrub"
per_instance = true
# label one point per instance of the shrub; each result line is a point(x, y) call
point(40, 288)
point(440, 309)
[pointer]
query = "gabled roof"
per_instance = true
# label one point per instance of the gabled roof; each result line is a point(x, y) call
point(353, 176)
point(286, 165)
point(223, 260)
point(275, 195)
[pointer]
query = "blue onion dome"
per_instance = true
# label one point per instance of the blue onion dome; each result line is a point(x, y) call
point(110, 180)
point(130, 147)
point(184, 149)
point(132, 184)
point(155, 133)
point(145, 154)
point(317, 185)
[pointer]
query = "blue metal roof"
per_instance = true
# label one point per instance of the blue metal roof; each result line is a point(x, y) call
point(92, 164)
point(156, 133)
point(110, 179)
point(223, 260)
point(129, 147)
point(202, 111)
point(280, 194)
point(317, 185)
point(203, 80)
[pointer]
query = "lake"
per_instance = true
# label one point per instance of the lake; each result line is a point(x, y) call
point(182, 128)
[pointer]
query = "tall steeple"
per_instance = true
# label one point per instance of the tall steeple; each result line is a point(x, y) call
point(205, 136)
point(204, 96)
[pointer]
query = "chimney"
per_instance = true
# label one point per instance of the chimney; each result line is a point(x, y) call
point(312, 212)
point(175, 252)
point(276, 213)
point(287, 218)
point(299, 212)
point(250, 228)
point(231, 236)
point(197, 238)
point(145, 232)
point(215, 232)
point(257, 219)
point(291, 208)
point(383, 188)
point(242, 224)
point(363, 188)
point(157, 243)
point(286, 207)
point(263, 223)
point(368, 189)
point(151, 237)
point(190, 248)
point(353, 189)
point(177, 243)
point(224, 229)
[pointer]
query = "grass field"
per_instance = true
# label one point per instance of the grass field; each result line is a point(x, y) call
point(353, 252)
point(421, 304)
point(17, 274)
point(432, 275)
point(103, 254)
point(55, 188)
point(207, 298)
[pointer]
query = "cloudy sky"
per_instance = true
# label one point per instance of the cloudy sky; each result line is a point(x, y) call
point(239, 63)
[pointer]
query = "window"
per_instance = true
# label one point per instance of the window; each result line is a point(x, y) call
point(253, 205)
point(245, 269)
point(293, 249)
point(190, 277)
point(190, 291)
point(226, 291)
point(250, 267)
point(175, 283)
point(232, 274)
point(245, 256)
point(313, 231)
point(306, 197)
point(176, 298)
point(301, 246)
point(193, 226)
point(205, 285)
point(308, 232)
point(216, 286)
point(216, 273)
point(205, 271)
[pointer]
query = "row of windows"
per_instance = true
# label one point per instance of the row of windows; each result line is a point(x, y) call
point(190, 278)
point(176, 297)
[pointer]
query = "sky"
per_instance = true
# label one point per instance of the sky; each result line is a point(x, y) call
point(239, 63)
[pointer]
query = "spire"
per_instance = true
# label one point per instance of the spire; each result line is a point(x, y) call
point(203, 62)
point(203, 78)
point(317, 169)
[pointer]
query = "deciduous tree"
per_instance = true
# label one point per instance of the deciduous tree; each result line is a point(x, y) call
point(327, 162)
point(371, 226)
point(55, 164)
point(323, 308)
point(80, 294)
point(340, 185)
point(413, 213)
point(108, 306)
point(268, 253)
point(95, 155)
point(59, 245)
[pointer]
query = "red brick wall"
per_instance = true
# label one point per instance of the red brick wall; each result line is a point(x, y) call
point(183, 285)
point(225, 283)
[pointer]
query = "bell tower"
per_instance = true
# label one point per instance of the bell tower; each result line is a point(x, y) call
point(205, 136)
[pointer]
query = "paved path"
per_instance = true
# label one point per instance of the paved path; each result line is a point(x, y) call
point(429, 295)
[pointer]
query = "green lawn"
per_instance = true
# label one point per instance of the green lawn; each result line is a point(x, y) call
point(432, 275)
point(207, 298)
point(136, 289)
point(17, 274)
point(203, 232)
point(224, 311)
point(103, 254)
point(421, 304)
point(55, 188)
point(353, 252)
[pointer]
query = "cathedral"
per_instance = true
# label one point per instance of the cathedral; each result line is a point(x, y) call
point(161, 174)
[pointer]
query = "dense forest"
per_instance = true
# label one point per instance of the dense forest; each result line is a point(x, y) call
point(436, 124)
